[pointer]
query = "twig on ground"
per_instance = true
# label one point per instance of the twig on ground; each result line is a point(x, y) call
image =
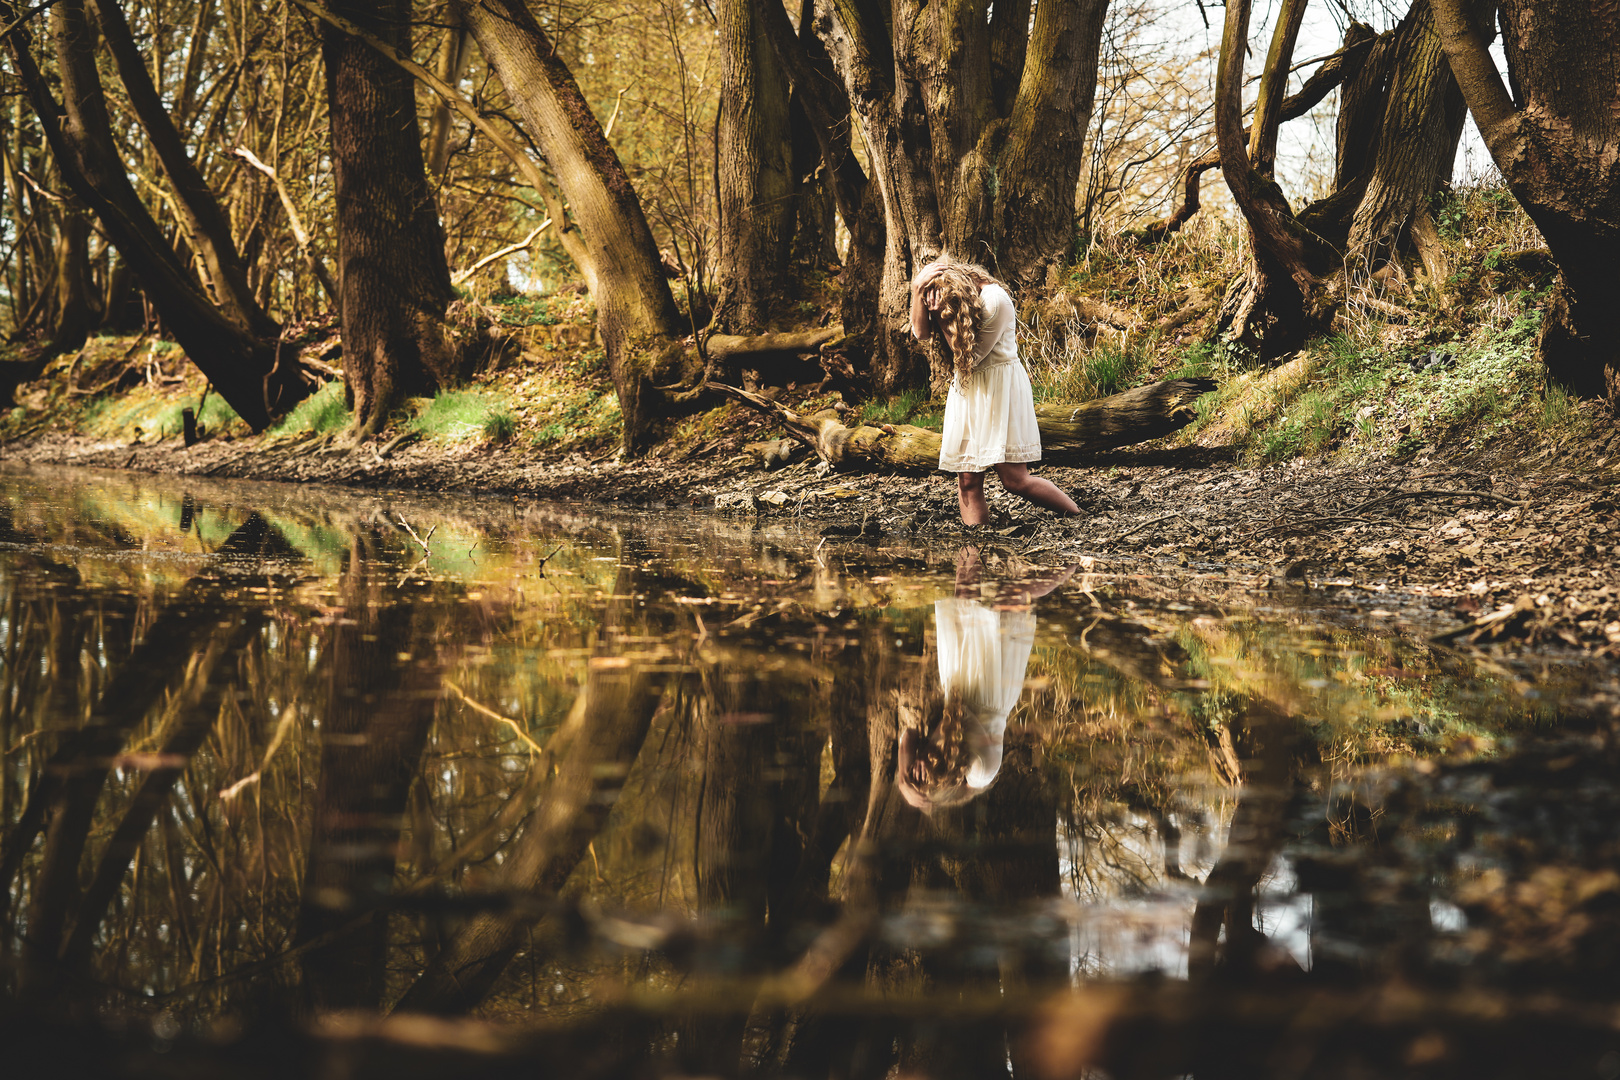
point(1142, 525)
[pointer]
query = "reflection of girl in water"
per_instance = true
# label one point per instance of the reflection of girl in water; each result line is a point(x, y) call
point(951, 740)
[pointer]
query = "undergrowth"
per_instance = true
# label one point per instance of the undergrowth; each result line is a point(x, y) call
point(323, 411)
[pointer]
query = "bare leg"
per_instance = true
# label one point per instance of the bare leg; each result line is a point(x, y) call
point(970, 497)
point(1015, 478)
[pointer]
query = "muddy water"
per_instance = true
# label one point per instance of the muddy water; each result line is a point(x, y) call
point(668, 795)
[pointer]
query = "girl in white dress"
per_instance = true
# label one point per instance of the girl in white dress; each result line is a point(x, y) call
point(990, 411)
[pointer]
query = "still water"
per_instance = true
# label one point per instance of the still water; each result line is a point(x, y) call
point(670, 795)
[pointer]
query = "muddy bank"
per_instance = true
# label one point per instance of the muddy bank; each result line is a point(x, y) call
point(1518, 546)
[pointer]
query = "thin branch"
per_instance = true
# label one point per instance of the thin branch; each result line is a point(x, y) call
point(300, 234)
point(510, 249)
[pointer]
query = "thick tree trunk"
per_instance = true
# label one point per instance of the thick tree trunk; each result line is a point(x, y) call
point(1422, 123)
point(755, 170)
point(1040, 166)
point(1069, 433)
point(635, 310)
point(972, 126)
point(246, 372)
point(205, 223)
point(392, 274)
point(1555, 148)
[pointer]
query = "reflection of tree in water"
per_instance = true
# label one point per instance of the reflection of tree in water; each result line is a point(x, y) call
point(672, 773)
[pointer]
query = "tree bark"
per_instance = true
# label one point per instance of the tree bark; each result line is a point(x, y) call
point(247, 372)
point(1069, 433)
point(1555, 148)
point(1422, 123)
point(635, 310)
point(392, 274)
point(755, 169)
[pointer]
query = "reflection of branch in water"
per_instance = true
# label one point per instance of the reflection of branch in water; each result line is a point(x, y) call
point(484, 710)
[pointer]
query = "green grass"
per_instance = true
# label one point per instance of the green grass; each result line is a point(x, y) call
point(906, 407)
point(322, 411)
point(500, 426)
point(1096, 372)
point(463, 414)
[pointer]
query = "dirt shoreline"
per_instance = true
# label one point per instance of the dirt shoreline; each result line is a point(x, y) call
point(1517, 547)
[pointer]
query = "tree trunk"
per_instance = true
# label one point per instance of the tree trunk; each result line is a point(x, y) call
point(1040, 166)
point(394, 280)
point(1069, 433)
point(1422, 123)
point(372, 735)
point(456, 52)
point(1555, 148)
point(972, 126)
point(755, 170)
point(205, 223)
point(1267, 311)
point(246, 372)
point(636, 312)
point(73, 319)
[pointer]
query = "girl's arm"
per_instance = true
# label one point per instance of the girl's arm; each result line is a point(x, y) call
point(1000, 317)
point(921, 323)
point(919, 313)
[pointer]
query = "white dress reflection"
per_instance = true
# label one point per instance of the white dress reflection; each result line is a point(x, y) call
point(951, 741)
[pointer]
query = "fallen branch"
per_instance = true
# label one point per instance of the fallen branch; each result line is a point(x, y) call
point(1069, 433)
point(729, 346)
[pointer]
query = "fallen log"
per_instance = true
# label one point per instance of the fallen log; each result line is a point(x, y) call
point(1069, 433)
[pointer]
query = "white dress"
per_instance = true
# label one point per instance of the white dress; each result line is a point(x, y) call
point(991, 419)
point(983, 654)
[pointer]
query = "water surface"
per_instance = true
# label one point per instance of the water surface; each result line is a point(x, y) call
point(673, 795)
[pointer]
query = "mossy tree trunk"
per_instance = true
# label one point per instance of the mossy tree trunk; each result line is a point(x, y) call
point(1554, 140)
point(394, 283)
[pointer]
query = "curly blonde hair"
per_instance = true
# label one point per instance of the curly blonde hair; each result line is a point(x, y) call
point(940, 771)
point(952, 295)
